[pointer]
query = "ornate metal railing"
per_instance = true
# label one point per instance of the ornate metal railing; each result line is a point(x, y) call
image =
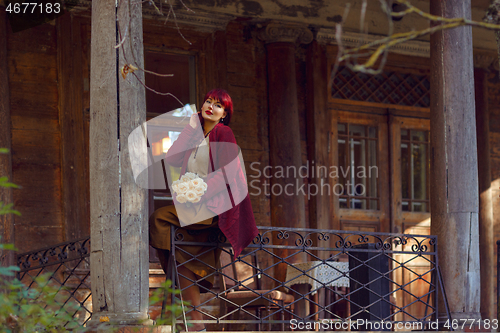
point(312, 279)
point(68, 268)
point(287, 278)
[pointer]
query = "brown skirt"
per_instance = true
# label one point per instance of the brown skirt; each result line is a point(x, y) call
point(206, 257)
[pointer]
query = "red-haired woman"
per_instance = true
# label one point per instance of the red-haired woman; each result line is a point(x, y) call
point(210, 157)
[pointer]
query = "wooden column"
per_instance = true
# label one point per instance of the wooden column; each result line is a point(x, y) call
point(287, 196)
point(454, 183)
point(319, 138)
point(119, 234)
point(486, 242)
point(284, 132)
point(6, 221)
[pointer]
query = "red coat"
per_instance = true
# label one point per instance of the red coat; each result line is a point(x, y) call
point(235, 221)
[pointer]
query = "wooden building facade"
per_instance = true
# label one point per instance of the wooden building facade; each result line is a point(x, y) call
point(365, 142)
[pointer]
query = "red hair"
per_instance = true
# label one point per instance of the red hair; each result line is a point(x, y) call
point(227, 103)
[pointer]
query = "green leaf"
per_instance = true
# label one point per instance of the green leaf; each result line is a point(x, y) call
point(6, 209)
point(8, 247)
point(4, 182)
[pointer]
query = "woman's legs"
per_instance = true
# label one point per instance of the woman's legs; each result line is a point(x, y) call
point(190, 294)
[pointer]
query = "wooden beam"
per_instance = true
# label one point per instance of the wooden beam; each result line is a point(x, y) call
point(486, 242)
point(6, 221)
point(454, 185)
point(119, 253)
point(74, 169)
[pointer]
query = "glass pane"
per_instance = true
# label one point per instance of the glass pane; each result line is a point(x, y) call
point(404, 134)
point(419, 177)
point(405, 191)
point(418, 136)
point(358, 169)
point(358, 165)
point(405, 206)
point(372, 132)
point(357, 130)
point(372, 169)
point(343, 203)
point(341, 128)
point(419, 206)
point(358, 203)
point(343, 163)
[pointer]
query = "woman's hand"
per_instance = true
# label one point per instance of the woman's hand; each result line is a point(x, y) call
point(193, 121)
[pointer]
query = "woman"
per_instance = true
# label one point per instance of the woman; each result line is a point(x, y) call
point(212, 157)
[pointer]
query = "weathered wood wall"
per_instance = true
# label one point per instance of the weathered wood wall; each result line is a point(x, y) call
point(36, 136)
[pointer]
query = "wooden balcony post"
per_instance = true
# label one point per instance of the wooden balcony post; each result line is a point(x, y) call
point(454, 180)
point(119, 229)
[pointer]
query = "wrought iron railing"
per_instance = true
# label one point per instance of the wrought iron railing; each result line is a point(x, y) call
point(68, 268)
point(287, 278)
point(314, 279)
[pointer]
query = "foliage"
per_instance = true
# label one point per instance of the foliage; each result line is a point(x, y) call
point(23, 309)
point(4, 182)
point(34, 309)
point(376, 52)
point(172, 311)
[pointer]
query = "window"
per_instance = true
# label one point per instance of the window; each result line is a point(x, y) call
point(415, 170)
point(358, 167)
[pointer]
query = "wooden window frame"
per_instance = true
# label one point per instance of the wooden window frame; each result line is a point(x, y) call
point(370, 220)
point(403, 220)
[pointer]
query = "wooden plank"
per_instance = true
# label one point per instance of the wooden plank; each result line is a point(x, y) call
point(71, 117)
point(375, 106)
point(33, 73)
point(25, 58)
point(39, 201)
point(45, 125)
point(28, 150)
point(34, 100)
point(39, 39)
point(6, 195)
point(27, 237)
